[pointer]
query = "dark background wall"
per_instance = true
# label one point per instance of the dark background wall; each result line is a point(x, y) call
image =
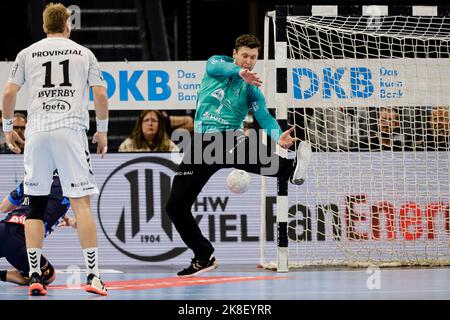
point(194, 29)
point(171, 30)
point(201, 27)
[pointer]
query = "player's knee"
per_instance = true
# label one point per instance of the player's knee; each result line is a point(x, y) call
point(38, 205)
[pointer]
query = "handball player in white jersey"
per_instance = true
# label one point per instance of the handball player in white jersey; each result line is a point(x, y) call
point(57, 74)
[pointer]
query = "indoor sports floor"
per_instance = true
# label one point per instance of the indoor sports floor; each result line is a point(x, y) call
point(249, 283)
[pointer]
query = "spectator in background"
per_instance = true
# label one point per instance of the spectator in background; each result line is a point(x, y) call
point(414, 126)
point(439, 129)
point(149, 134)
point(2, 134)
point(388, 135)
point(334, 129)
point(19, 125)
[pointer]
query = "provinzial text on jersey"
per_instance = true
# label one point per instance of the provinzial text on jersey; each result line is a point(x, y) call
point(55, 53)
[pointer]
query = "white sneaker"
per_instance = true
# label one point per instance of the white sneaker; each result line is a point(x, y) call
point(95, 285)
point(304, 154)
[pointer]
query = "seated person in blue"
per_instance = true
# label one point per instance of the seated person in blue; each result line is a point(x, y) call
point(12, 235)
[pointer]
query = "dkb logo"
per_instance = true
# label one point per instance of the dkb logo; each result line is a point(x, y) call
point(357, 84)
point(137, 233)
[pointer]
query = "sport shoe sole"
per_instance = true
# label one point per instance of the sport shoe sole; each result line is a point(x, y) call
point(37, 289)
point(199, 272)
point(95, 285)
point(92, 289)
point(304, 154)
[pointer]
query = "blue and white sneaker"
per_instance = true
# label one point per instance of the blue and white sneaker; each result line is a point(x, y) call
point(304, 153)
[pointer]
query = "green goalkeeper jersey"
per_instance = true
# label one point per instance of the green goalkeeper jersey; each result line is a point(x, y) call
point(224, 100)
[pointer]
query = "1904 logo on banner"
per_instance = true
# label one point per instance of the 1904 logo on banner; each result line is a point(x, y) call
point(138, 225)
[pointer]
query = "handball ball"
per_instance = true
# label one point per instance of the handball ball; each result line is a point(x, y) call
point(238, 181)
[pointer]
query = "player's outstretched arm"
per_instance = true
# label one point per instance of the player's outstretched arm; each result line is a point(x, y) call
point(9, 103)
point(13, 200)
point(258, 103)
point(6, 205)
point(101, 112)
point(14, 276)
point(219, 66)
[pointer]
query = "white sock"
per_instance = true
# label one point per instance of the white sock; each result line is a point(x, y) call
point(90, 258)
point(34, 260)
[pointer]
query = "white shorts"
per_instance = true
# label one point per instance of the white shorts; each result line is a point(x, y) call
point(65, 150)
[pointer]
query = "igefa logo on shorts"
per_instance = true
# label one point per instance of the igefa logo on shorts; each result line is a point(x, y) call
point(131, 209)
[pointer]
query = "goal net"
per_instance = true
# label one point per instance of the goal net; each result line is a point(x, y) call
point(372, 94)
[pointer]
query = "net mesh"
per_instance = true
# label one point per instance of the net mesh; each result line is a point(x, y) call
point(372, 95)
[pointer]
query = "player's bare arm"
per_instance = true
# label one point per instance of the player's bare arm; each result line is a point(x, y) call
point(9, 103)
point(6, 205)
point(101, 110)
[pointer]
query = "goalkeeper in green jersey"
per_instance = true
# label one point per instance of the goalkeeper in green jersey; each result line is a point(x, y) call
point(228, 92)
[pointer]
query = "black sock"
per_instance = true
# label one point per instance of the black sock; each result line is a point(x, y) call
point(3, 275)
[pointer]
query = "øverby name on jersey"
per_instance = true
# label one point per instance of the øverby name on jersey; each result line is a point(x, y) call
point(52, 93)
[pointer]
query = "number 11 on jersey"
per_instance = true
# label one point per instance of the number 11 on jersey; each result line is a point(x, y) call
point(48, 74)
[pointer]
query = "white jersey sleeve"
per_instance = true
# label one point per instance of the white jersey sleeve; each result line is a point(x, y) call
point(95, 77)
point(17, 75)
point(57, 73)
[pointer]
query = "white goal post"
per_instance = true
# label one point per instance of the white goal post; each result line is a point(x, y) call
point(369, 86)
